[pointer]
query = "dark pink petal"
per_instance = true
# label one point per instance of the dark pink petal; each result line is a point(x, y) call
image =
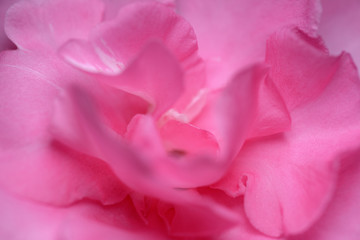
point(113, 44)
point(31, 163)
point(339, 27)
point(342, 216)
point(46, 25)
point(5, 42)
point(288, 179)
point(232, 34)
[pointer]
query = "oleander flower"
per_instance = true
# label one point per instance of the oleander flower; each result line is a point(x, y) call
point(184, 119)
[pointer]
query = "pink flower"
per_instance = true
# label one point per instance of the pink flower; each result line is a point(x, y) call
point(184, 119)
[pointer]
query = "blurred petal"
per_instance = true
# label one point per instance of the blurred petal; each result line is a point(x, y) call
point(112, 7)
point(113, 44)
point(154, 75)
point(232, 34)
point(82, 221)
point(146, 171)
point(39, 25)
point(339, 28)
point(31, 163)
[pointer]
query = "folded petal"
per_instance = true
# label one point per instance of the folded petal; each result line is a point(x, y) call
point(342, 216)
point(249, 106)
point(154, 75)
point(300, 79)
point(40, 26)
point(232, 34)
point(338, 29)
point(113, 44)
point(288, 179)
point(147, 171)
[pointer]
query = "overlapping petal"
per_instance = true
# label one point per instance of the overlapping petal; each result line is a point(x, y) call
point(232, 34)
point(288, 179)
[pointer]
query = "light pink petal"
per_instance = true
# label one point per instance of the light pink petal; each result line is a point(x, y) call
point(232, 34)
point(5, 42)
point(45, 25)
point(154, 75)
point(339, 27)
point(26, 220)
point(341, 218)
point(113, 44)
point(31, 163)
point(288, 179)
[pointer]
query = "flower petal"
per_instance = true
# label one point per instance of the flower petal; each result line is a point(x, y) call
point(40, 26)
point(299, 166)
point(83, 221)
point(154, 75)
point(113, 44)
point(342, 216)
point(232, 34)
point(31, 163)
point(338, 29)
point(141, 170)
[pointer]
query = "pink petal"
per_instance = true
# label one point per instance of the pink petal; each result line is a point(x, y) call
point(181, 138)
point(40, 26)
point(83, 221)
point(272, 115)
point(154, 75)
point(5, 43)
point(249, 106)
point(232, 34)
point(288, 179)
point(146, 171)
point(303, 78)
point(32, 164)
point(112, 7)
point(113, 44)
point(339, 28)
point(342, 216)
